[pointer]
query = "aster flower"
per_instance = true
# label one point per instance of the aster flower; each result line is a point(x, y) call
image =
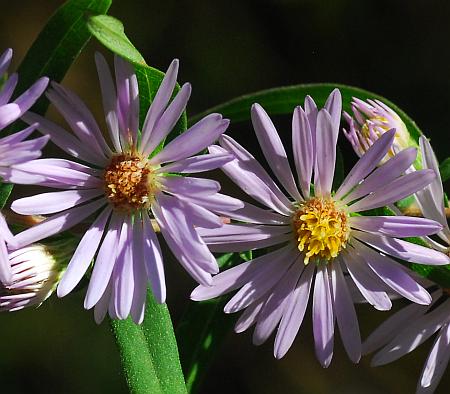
point(397, 336)
point(36, 270)
point(128, 187)
point(317, 241)
point(370, 120)
point(13, 149)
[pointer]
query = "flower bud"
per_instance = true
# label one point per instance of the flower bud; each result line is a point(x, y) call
point(370, 120)
point(36, 270)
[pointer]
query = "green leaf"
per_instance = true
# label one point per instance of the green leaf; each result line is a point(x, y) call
point(283, 100)
point(5, 191)
point(444, 169)
point(136, 359)
point(110, 32)
point(58, 45)
point(202, 331)
point(158, 332)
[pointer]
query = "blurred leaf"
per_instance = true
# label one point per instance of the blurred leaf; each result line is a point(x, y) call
point(202, 331)
point(339, 172)
point(58, 45)
point(158, 332)
point(110, 32)
point(283, 100)
point(444, 169)
point(136, 359)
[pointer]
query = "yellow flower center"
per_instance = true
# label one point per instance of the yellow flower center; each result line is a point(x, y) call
point(130, 182)
point(321, 229)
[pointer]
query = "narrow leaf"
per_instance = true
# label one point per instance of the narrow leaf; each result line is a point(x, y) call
point(444, 169)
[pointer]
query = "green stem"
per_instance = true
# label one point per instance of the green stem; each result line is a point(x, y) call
point(158, 331)
point(137, 362)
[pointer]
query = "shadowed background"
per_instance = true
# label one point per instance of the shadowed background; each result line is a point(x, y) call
point(227, 48)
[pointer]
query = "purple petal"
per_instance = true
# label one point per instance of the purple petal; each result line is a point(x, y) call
point(400, 188)
point(253, 214)
point(19, 136)
point(109, 99)
point(334, 107)
point(7, 89)
point(345, 314)
point(27, 99)
point(46, 203)
point(273, 309)
point(251, 177)
point(393, 274)
point(294, 313)
point(189, 186)
point(105, 261)
point(396, 226)
point(123, 269)
point(82, 258)
point(437, 361)
point(383, 175)
point(140, 278)
point(366, 163)
point(412, 336)
point(5, 266)
point(262, 282)
point(249, 316)
point(189, 249)
point(389, 328)
point(193, 140)
point(8, 114)
point(323, 317)
point(217, 202)
point(197, 163)
point(102, 305)
point(168, 120)
point(273, 149)
point(325, 154)
point(235, 277)
point(402, 249)
point(5, 61)
point(64, 140)
point(80, 119)
point(160, 101)
point(57, 223)
point(366, 281)
point(302, 145)
point(153, 261)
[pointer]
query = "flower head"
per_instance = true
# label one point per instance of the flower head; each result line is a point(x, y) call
point(36, 270)
point(13, 149)
point(130, 188)
point(397, 336)
point(318, 242)
point(370, 121)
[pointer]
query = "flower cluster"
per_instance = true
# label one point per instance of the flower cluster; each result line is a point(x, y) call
point(318, 238)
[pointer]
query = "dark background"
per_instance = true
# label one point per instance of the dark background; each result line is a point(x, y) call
point(397, 49)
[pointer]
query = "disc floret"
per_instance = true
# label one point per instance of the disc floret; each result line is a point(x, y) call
point(130, 182)
point(321, 229)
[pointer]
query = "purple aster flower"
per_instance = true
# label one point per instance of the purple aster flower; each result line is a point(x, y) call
point(372, 119)
point(316, 239)
point(13, 149)
point(128, 187)
point(397, 336)
point(36, 270)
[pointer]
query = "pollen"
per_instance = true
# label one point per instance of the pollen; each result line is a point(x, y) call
point(321, 229)
point(130, 183)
